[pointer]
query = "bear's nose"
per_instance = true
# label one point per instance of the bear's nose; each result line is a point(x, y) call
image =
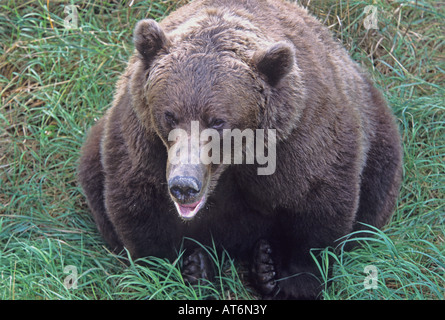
point(184, 188)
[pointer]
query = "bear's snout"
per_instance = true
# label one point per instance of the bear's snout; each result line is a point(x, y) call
point(184, 188)
point(187, 185)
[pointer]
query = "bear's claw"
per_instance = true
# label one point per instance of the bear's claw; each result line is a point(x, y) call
point(197, 266)
point(263, 270)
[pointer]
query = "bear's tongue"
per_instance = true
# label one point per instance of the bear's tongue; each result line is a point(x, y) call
point(188, 211)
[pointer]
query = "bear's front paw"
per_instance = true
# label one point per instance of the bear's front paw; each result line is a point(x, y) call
point(197, 266)
point(263, 270)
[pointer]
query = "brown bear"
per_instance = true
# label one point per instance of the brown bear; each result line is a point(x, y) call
point(228, 65)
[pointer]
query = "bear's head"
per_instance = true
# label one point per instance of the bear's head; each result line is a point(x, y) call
point(195, 88)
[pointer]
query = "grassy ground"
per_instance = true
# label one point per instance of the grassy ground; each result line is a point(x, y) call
point(55, 82)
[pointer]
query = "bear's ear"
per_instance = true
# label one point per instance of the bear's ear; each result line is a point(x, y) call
point(149, 39)
point(275, 62)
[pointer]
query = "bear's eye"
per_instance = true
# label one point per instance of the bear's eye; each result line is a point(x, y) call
point(170, 119)
point(217, 124)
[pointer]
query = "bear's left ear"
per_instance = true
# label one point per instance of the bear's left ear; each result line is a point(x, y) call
point(149, 39)
point(275, 62)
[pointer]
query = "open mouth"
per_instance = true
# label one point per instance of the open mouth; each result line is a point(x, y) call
point(188, 211)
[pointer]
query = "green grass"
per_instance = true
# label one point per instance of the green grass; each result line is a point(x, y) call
point(55, 82)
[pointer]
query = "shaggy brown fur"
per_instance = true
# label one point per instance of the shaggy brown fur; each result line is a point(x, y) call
point(254, 64)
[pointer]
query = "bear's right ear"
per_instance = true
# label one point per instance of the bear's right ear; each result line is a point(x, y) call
point(275, 62)
point(149, 39)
